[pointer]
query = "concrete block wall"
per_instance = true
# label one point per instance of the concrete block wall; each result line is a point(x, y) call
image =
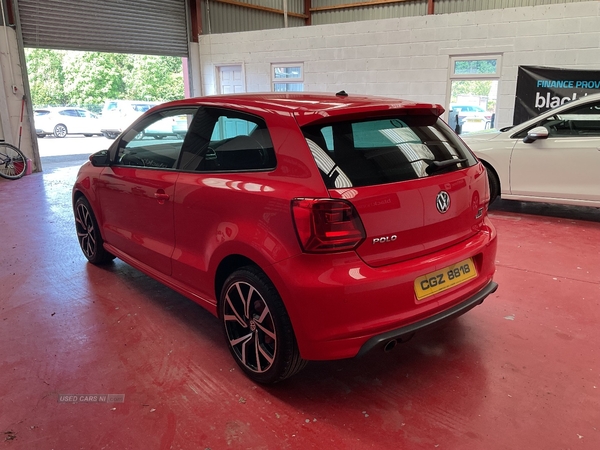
point(410, 57)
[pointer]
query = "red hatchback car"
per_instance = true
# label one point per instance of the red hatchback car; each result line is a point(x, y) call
point(314, 226)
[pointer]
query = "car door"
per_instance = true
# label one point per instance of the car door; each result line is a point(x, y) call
point(566, 164)
point(223, 151)
point(70, 118)
point(136, 194)
point(88, 122)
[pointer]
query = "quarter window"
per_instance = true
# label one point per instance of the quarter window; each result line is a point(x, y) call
point(221, 140)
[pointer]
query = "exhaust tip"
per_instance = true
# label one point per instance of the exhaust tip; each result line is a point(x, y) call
point(389, 346)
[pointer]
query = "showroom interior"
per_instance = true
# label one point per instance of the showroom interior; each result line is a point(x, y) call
point(521, 370)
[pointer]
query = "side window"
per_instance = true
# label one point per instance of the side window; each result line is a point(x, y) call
point(224, 140)
point(582, 120)
point(69, 112)
point(575, 122)
point(156, 142)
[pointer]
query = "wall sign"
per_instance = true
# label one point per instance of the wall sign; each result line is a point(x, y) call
point(542, 88)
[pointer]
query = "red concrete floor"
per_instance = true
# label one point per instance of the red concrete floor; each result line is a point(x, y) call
point(521, 371)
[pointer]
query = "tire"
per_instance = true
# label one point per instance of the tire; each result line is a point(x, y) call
point(108, 135)
point(60, 130)
point(257, 327)
point(88, 234)
point(88, 135)
point(494, 184)
point(13, 163)
point(158, 137)
point(41, 136)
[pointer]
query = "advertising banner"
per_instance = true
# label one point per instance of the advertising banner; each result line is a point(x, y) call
point(542, 88)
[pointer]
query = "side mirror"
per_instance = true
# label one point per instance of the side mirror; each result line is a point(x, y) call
point(536, 133)
point(100, 159)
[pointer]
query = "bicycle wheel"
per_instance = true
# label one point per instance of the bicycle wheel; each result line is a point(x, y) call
point(13, 162)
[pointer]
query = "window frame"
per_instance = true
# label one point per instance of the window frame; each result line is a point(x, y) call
point(275, 81)
point(142, 124)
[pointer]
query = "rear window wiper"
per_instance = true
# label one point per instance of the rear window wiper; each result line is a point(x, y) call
point(436, 166)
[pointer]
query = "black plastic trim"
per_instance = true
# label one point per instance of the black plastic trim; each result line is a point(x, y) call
point(405, 333)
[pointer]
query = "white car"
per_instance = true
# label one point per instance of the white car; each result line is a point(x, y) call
point(66, 120)
point(119, 114)
point(553, 158)
point(472, 118)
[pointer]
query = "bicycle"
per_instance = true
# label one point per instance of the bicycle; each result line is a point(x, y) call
point(13, 162)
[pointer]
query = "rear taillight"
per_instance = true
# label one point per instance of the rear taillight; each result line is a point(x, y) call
point(326, 225)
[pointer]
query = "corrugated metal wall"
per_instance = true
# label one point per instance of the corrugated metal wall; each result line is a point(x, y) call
point(385, 11)
point(226, 18)
point(456, 6)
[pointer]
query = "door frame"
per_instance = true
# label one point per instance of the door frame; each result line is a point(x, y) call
point(218, 68)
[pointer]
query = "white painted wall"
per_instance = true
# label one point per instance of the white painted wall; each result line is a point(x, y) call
point(409, 57)
point(11, 98)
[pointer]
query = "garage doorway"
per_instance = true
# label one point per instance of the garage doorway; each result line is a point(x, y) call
point(473, 92)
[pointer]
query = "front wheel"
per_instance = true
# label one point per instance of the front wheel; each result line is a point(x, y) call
point(257, 327)
point(60, 131)
point(88, 234)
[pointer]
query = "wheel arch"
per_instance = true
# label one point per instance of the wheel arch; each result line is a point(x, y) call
point(490, 168)
point(226, 267)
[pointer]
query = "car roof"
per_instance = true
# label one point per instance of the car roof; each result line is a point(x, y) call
point(306, 106)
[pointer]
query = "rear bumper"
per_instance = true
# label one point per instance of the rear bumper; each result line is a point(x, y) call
point(340, 307)
point(403, 334)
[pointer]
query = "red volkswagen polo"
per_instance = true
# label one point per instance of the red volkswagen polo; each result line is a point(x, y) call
point(314, 226)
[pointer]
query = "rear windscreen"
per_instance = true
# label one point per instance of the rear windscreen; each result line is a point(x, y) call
point(368, 152)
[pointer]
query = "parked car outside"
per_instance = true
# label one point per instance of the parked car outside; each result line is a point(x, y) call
point(119, 114)
point(472, 118)
point(551, 158)
point(61, 121)
point(314, 226)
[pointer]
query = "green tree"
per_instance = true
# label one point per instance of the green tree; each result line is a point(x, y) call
point(158, 78)
point(85, 78)
point(471, 87)
point(46, 76)
point(93, 77)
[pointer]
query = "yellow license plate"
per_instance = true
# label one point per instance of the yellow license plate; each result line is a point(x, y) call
point(443, 279)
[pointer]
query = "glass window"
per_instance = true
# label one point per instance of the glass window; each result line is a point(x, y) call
point(287, 77)
point(477, 66)
point(157, 141)
point(392, 149)
point(581, 120)
point(224, 140)
point(69, 112)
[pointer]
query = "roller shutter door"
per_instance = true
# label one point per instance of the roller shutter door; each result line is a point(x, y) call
point(151, 27)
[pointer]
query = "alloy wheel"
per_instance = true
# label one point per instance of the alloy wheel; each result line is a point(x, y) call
point(250, 327)
point(60, 130)
point(86, 230)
